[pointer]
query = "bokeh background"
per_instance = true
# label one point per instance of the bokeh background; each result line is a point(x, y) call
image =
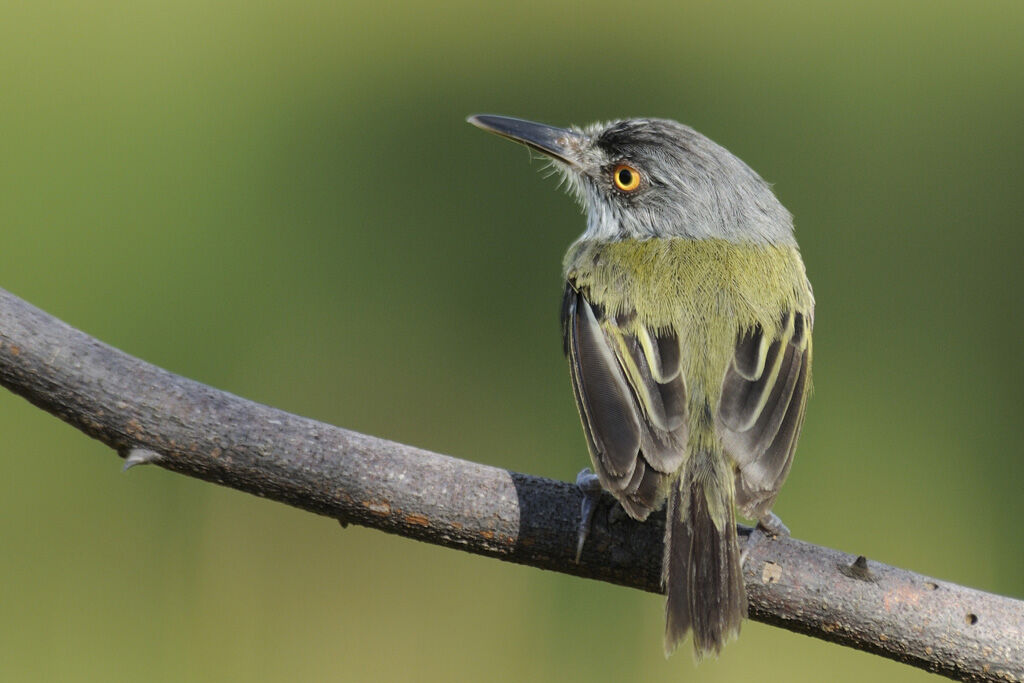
point(282, 199)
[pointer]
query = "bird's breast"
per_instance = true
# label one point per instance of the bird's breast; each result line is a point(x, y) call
point(706, 291)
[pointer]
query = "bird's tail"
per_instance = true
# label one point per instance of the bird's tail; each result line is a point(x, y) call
point(701, 569)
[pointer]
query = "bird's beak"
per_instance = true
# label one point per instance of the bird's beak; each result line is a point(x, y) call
point(560, 143)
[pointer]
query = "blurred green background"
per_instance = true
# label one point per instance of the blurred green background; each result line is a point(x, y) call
point(282, 199)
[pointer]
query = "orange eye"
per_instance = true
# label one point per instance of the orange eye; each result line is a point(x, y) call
point(626, 178)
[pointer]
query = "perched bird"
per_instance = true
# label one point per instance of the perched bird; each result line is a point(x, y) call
point(687, 322)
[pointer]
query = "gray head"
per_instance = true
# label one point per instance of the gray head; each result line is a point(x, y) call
point(641, 178)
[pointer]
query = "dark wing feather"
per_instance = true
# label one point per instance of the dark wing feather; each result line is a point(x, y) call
point(631, 399)
point(762, 406)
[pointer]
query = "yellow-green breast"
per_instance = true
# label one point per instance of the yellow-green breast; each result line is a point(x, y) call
point(707, 291)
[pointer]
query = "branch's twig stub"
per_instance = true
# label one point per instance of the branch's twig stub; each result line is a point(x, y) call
point(152, 416)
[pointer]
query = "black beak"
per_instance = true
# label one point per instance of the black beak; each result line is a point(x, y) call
point(560, 143)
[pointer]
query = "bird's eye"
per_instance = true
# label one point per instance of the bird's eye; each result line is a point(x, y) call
point(626, 178)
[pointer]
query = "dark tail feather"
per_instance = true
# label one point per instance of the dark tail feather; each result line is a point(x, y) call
point(673, 571)
point(701, 570)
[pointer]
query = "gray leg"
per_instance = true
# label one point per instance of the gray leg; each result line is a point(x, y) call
point(140, 456)
point(590, 486)
point(772, 525)
point(768, 525)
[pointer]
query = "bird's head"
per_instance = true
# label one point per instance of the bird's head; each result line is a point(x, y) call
point(643, 178)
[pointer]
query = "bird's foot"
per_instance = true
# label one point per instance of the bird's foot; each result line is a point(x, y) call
point(590, 486)
point(768, 525)
point(772, 525)
point(140, 456)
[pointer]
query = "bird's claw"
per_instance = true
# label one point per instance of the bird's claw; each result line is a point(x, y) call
point(590, 486)
point(768, 525)
point(772, 525)
point(140, 456)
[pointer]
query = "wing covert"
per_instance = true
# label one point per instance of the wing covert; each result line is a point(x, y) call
point(631, 399)
point(762, 406)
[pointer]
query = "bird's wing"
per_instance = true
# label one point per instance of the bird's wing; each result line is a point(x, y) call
point(631, 398)
point(762, 408)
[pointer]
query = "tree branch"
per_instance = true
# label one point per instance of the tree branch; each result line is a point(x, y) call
point(150, 415)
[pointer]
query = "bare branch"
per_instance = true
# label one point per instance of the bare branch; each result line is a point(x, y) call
point(152, 416)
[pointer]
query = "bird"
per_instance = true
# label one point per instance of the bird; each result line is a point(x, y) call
point(686, 321)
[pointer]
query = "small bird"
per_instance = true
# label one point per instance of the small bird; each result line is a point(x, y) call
point(686, 321)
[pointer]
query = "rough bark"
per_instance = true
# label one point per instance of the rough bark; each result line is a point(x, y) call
point(150, 415)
